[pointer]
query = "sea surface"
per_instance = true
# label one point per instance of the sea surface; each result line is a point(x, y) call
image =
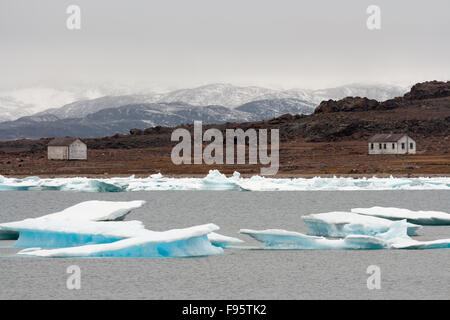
point(237, 274)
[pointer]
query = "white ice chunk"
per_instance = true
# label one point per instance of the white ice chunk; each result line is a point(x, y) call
point(339, 224)
point(414, 244)
point(218, 181)
point(97, 210)
point(397, 239)
point(418, 217)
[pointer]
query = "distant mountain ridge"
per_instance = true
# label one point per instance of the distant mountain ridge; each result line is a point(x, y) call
point(214, 103)
point(78, 102)
point(225, 95)
point(107, 122)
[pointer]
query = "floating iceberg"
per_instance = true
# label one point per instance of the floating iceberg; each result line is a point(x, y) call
point(217, 181)
point(397, 238)
point(282, 239)
point(177, 243)
point(61, 234)
point(339, 224)
point(92, 229)
point(84, 211)
point(394, 238)
point(418, 217)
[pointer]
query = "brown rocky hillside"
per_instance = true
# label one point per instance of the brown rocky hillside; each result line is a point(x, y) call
point(330, 141)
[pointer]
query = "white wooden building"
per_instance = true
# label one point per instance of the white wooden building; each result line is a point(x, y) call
point(391, 143)
point(67, 149)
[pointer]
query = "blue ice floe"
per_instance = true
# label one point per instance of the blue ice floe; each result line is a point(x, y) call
point(339, 224)
point(177, 243)
point(419, 217)
point(282, 239)
point(217, 181)
point(94, 229)
point(396, 237)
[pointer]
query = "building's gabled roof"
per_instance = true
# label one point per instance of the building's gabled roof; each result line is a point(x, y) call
point(387, 137)
point(62, 142)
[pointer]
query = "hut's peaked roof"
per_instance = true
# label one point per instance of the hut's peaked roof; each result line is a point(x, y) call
point(62, 142)
point(387, 137)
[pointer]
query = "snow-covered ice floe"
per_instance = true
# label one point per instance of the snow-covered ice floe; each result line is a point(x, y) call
point(94, 229)
point(339, 224)
point(283, 239)
point(84, 211)
point(97, 211)
point(418, 217)
point(217, 181)
point(395, 238)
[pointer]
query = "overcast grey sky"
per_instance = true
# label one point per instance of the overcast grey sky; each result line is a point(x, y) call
point(183, 43)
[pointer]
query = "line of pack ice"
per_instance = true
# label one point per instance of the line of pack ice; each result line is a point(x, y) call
point(97, 229)
point(217, 181)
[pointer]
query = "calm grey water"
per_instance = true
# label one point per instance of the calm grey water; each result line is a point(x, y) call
point(238, 274)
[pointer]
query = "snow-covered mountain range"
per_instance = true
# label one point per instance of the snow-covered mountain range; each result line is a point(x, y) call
point(121, 119)
point(77, 102)
point(23, 113)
